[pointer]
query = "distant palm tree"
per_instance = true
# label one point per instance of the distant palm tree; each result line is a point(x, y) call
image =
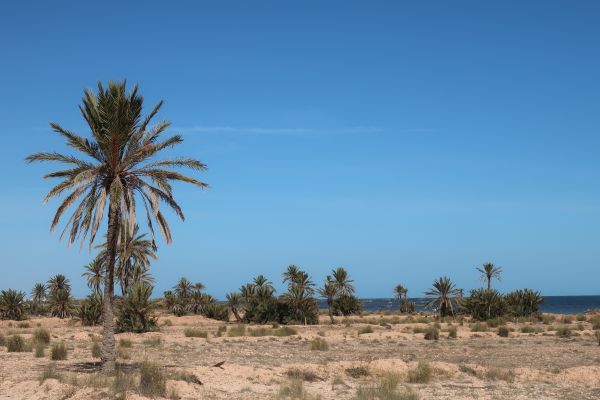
point(38, 296)
point(119, 168)
point(446, 296)
point(183, 289)
point(263, 288)
point(60, 303)
point(234, 301)
point(401, 294)
point(94, 274)
point(488, 272)
point(291, 274)
point(343, 281)
point(330, 291)
point(58, 282)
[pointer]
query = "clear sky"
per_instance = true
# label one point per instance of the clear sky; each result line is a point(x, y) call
point(401, 140)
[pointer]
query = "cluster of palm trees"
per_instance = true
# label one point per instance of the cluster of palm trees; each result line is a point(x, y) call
point(257, 302)
point(187, 297)
point(485, 303)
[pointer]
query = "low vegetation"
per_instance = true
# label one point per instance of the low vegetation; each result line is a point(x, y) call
point(422, 373)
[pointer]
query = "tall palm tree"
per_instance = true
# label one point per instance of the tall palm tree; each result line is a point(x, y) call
point(330, 291)
point(291, 274)
point(38, 295)
point(94, 274)
point(58, 282)
point(488, 272)
point(343, 281)
point(118, 170)
point(446, 296)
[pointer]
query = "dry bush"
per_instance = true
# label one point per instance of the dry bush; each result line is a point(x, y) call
point(153, 382)
point(357, 372)
point(319, 345)
point(239, 330)
point(499, 374)
point(41, 335)
point(16, 344)
point(303, 375)
point(421, 373)
point(58, 352)
point(365, 329)
point(195, 332)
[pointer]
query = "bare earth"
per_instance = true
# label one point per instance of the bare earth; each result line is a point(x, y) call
point(475, 365)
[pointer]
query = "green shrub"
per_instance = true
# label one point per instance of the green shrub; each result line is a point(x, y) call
point(527, 329)
point(12, 304)
point(216, 311)
point(90, 311)
point(484, 304)
point(238, 330)
point(496, 322)
point(567, 319)
point(563, 332)
point(497, 374)
point(421, 373)
point(357, 372)
point(365, 329)
point(153, 382)
point(2, 339)
point(319, 344)
point(134, 313)
point(41, 335)
point(96, 350)
point(195, 332)
point(503, 331)
point(15, 344)
point(39, 349)
point(385, 389)
point(580, 317)
point(122, 383)
point(58, 352)
point(432, 334)
point(597, 333)
point(346, 305)
point(23, 325)
point(478, 327)
point(452, 332)
point(125, 343)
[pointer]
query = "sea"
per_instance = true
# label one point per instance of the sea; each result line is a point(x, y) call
point(551, 304)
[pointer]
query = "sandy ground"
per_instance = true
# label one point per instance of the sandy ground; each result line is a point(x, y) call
point(475, 365)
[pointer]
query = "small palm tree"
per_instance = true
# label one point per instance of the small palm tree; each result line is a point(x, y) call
point(61, 303)
point(488, 272)
point(57, 283)
point(134, 257)
point(119, 167)
point(12, 304)
point(183, 289)
point(234, 301)
point(134, 313)
point(401, 294)
point(94, 274)
point(446, 296)
point(330, 291)
point(343, 281)
point(38, 296)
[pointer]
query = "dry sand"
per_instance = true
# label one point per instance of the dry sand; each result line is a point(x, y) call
point(475, 365)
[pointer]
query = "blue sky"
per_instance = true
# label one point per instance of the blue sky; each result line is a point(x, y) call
point(402, 140)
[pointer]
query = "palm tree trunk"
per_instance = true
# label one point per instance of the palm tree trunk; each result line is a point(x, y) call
point(489, 282)
point(108, 353)
point(331, 315)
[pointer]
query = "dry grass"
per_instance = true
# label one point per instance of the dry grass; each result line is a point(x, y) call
point(422, 373)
